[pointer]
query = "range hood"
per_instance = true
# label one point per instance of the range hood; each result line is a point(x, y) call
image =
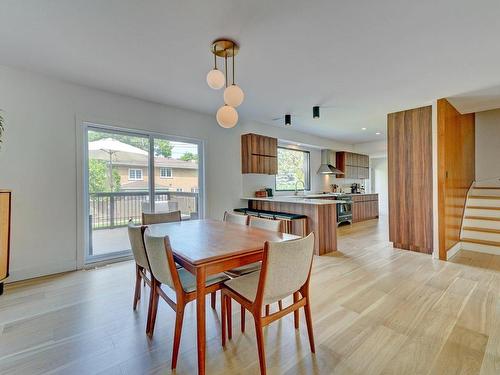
point(326, 166)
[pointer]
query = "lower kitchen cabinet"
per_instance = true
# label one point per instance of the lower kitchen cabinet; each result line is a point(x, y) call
point(364, 207)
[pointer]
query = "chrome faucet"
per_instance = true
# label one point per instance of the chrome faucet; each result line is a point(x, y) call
point(303, 185)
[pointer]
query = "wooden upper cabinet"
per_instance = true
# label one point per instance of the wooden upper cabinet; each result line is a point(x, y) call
point(353, 165)
point(259, 154)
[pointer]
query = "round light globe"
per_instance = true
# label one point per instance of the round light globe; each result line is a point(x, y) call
point(233, 95)
point(215, 79)
point(227, 117)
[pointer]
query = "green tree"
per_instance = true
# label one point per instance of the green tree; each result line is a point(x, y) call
point(162, 147)
point(291, 168)
point(188, 156)
point(98, 177)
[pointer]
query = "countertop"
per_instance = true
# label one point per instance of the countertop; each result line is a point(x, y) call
point(309, 199)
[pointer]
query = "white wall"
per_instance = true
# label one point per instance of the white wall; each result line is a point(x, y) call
point(487, 145)
point(379, 183)
point(38, 159)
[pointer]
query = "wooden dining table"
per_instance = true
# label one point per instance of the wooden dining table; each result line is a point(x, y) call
point(207, 247)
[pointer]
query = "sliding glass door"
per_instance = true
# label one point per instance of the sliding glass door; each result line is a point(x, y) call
point(128, 173)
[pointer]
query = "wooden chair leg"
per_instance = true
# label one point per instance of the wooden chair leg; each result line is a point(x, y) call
point(296, 315)
point(154, 310)
point(179, 316)
point(223, 313)
point(213, 296)
point(260, 345)
point(137, 292)
point(307, 310)
point(280, 305)
point(229, 303)
point(242, 319)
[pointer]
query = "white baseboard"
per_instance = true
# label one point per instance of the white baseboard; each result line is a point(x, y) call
point(455, 249)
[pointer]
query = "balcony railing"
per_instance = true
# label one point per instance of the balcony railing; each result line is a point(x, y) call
point(111, 210)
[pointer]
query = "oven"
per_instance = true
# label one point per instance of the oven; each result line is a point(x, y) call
point(344, 210)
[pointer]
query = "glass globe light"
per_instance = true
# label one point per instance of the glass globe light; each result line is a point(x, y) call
point(233, 95)
point(227, 117)
point(215, 79)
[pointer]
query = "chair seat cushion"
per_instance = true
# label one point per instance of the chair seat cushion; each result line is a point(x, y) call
point(244, 270)
point(245, 285)
point(188, 280)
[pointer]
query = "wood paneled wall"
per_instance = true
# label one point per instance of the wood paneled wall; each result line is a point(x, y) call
point(456, 171)
point(410, 179)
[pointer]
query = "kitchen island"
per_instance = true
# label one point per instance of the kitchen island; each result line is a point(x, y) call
point(321, 216)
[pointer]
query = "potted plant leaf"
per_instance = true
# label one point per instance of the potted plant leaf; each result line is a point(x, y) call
point(1, 129)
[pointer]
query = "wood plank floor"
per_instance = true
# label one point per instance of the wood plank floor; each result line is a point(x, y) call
point(376, 310)
point(477, 259)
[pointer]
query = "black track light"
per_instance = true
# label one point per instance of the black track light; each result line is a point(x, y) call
point(288, 119)
point(316, 112)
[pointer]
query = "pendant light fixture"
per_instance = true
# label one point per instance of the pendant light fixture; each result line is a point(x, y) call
point(227, 116)
point(288, 119)
point(316, 112)
point(215, 78)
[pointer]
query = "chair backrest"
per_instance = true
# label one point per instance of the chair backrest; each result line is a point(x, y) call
point(267, 224)
point(160, 217)
point(235, 218)
point(160, 257)
point(135, 235)
point(286, 267)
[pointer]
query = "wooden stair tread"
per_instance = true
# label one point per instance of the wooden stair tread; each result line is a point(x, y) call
point(487, 187)
point(482, 218)
point(481, 242)
point(484, 230)
point(484, 197)
point(484, 208)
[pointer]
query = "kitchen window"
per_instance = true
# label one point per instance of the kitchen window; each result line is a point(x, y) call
point(165, 172)
point(135, 174)
point(293, 170)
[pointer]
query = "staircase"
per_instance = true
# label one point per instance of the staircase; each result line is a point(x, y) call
point(481, 223)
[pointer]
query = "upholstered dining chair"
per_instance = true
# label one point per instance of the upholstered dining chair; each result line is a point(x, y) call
point(235, 218)
point(181, 281)
point(266, 224)
point(135, 235)
point(286, 270)
point(160, 217)
point(261, 223)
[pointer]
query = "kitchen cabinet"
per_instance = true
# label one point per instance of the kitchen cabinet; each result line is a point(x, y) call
point(355, 166)
point(364, 207)
point(259, 154)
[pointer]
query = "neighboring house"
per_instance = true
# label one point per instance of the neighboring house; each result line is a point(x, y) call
point(170, 175)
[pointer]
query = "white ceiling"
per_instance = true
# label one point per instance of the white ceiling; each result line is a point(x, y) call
point(362, 58)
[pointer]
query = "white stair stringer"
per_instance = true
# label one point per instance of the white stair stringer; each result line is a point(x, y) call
point(481, 223)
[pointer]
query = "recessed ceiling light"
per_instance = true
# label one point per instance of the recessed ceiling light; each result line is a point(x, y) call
point(377, 133)
point(363, 128)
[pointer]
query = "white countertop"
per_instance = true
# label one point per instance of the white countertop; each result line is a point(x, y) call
point(298, 200)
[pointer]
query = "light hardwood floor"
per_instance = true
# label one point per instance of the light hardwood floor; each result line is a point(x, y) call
point(376, 310)
point(477, 259)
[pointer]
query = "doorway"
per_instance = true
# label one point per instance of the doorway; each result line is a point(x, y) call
point(129, 172)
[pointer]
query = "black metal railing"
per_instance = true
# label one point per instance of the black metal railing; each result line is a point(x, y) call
point(111, 210)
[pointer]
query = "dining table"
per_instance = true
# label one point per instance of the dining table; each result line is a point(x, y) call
point(206, 247)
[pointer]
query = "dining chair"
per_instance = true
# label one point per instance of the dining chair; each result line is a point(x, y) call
point(266, 224)
point(181, 281)
point(160, 217)
point(235, 218)
point(135, 235)
point(286, 270)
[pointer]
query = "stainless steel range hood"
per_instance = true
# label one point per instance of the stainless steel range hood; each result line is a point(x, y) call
point(326, 166)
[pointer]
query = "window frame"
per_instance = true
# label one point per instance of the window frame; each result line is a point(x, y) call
point(307, 175)
point(135, 172)
point(171, 172)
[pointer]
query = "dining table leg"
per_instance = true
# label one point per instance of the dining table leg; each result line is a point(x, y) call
point(200, 317)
